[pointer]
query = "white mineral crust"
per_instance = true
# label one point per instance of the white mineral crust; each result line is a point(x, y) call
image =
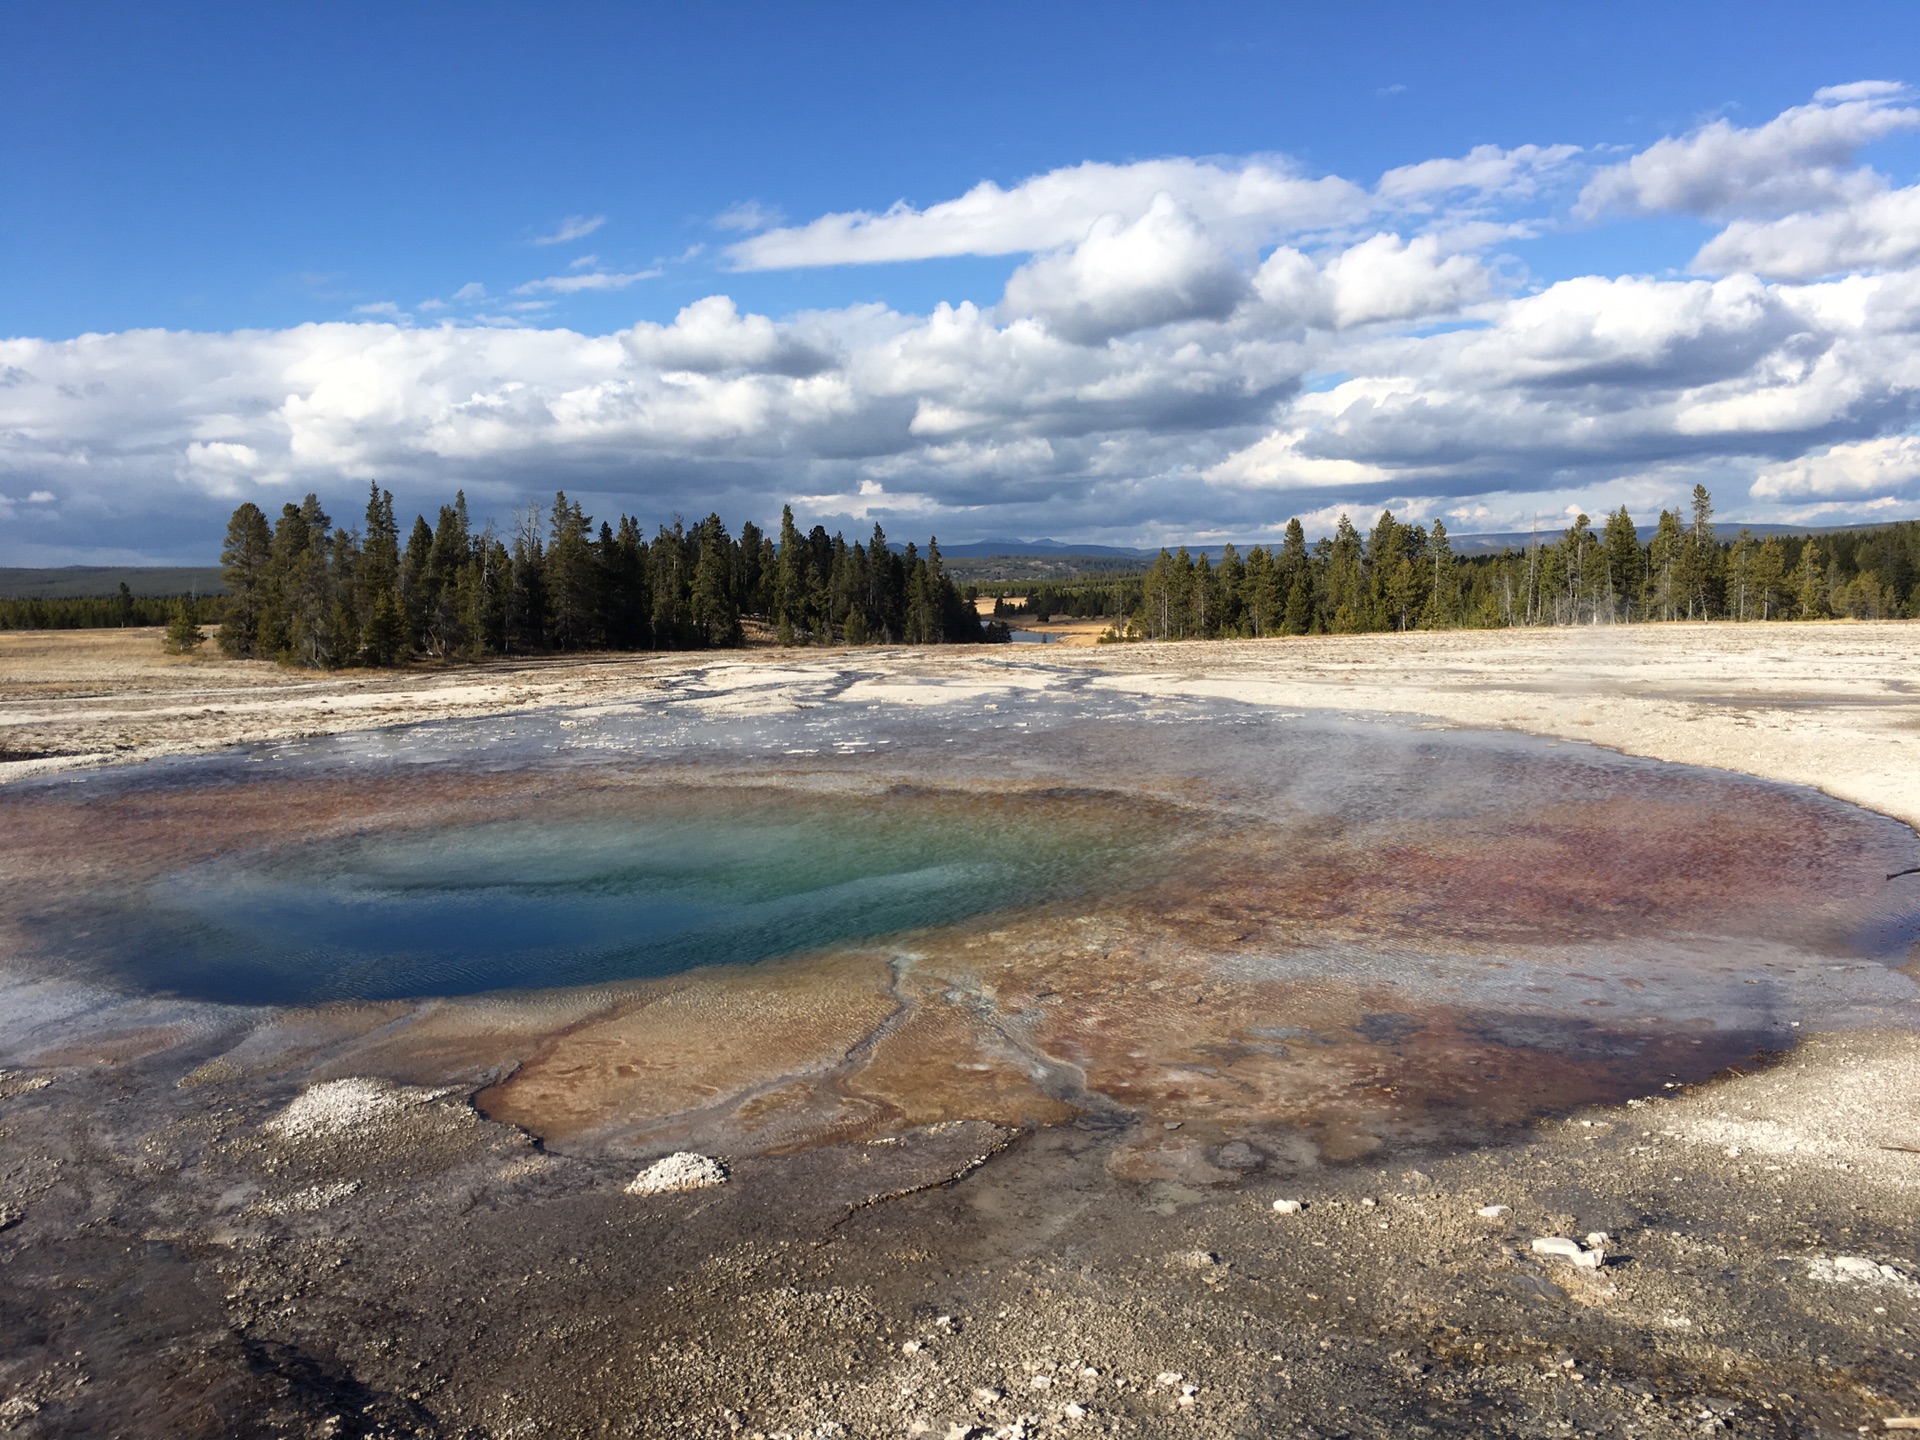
point(684, 1171)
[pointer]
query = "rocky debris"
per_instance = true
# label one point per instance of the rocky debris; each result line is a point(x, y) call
point(217, 1071)
point(18, 1082)
point(683, 1170)
point(313, 1198)
point(1493, 1212)
point(344, 1107)
point(1564, 1248)
point(10, 1216)
point(16, 1408)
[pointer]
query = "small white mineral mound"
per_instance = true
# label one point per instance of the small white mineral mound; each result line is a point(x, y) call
point(340, 1107)
point(684, 1171)
point(1564, 1248)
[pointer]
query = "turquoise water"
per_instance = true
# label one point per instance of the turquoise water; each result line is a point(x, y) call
point(640, 886)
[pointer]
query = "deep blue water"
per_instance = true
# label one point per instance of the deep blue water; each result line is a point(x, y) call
point(637, 887)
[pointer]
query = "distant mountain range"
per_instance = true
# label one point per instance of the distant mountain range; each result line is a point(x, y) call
point(1462, 544)
point(987, 549)
point(75, 582)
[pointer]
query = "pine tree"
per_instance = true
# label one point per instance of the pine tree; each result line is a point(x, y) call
point(1739, 593)
point(444, 604)
point(886, 590)
point(711, 606)
point(1295, 573)
point(1770, 579)
point(383, 620)
point(1266, 602)
point(1621, 555)
point(1665, 578)
point(183, 630)
point(1346, 580)
point(416, 584)
point(1810, 583)
point(792, 584)
point(526, 617)
point(1701, 576)
point(244, 562)
point(1443, 595)
point(570, 577)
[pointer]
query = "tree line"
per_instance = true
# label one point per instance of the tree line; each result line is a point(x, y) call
point(1405, 577)
point(306, 592)
point(103, 612)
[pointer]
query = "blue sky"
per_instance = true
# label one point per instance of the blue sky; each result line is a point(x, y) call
point(1230, 264)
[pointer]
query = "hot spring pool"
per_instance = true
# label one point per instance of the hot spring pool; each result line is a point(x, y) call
point(600, 885)
point(904, 904)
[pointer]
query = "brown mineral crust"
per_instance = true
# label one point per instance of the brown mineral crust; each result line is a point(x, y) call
point(941, 1062)
point(700, 1043)
point(465, 1040)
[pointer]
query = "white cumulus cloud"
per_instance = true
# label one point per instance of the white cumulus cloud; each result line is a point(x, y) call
point(1247, 202)
point(1801, 159)
point(1126, 276)
point(1888, 465)
point(1875, 231)
point(1183, 347)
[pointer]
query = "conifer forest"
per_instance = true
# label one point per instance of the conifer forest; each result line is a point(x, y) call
point(309, 593)
point(306, 592)
point(1406, 577)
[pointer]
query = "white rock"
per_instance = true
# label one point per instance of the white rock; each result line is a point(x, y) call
point(1597, 1239)
point(1073, 1410)
point(1287, 1207)
point(1564, 1248)
point(1169, 1377)
point(683, 1171)
point(1492, 1212)
point(911, 1347)
point(1042, 1382)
